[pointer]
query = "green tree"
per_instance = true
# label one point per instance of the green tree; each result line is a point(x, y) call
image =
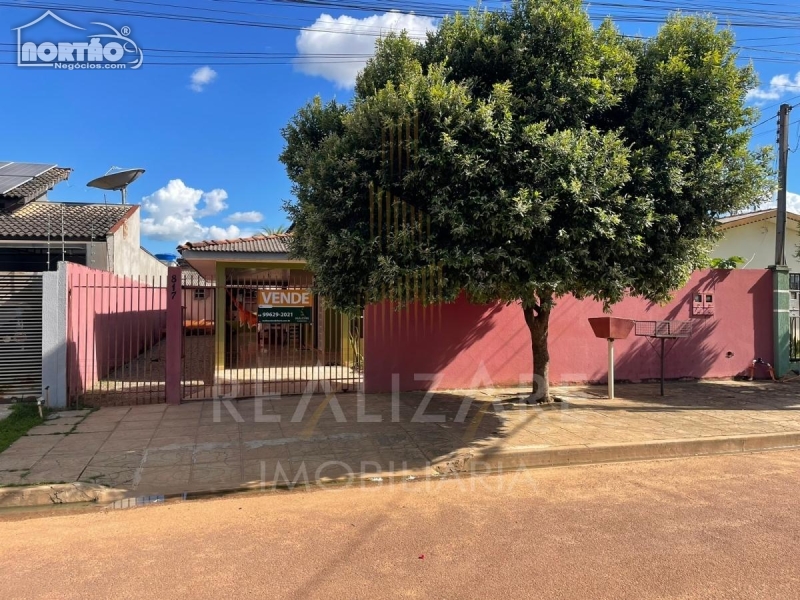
point(732, 262)
point(552, 158)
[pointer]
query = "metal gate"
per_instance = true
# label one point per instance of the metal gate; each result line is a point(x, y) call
point(198, 346)
point(20, 335)
point(275, 336)
point(116, 332)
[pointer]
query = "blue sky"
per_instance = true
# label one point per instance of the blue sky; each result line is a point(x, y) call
point(207, 129)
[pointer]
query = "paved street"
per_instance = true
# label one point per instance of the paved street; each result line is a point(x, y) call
point(711, 527)
point(203, 446)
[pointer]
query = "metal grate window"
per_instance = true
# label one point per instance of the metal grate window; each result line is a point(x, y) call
point(20, 335)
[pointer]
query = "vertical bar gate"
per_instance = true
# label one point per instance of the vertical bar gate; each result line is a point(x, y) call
point(279, 338)
point(20, 335)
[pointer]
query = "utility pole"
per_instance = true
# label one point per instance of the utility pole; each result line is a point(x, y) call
point(780, 272)
point(783, 159)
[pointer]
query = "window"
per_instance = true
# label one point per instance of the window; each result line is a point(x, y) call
point(199, 293)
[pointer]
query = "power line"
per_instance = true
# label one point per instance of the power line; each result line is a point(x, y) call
point(434, 10)
point(652, 11)
point(797, 135)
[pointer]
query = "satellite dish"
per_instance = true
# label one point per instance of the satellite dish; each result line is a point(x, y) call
point(118, 180)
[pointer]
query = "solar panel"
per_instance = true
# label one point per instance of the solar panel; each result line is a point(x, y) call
point(9, 182)
point(13, 174)
point(25, 169)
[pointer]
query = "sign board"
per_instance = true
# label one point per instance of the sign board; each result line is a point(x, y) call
point(285, 306)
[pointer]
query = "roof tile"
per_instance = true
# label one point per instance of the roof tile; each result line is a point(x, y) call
point(268, 244)
point(36, 186)
point(41, 219)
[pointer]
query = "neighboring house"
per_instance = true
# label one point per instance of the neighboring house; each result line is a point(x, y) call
point(198, 300)
point(752, 236)
point(35, 233)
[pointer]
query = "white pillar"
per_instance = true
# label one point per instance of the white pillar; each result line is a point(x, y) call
point(610, 368)
point(54, 335)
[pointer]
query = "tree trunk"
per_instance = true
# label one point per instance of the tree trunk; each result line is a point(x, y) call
point(538, 321)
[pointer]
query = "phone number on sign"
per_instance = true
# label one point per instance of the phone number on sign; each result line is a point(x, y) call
point(277, 315)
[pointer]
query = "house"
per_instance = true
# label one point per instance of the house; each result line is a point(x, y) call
point(752, 236)
point(35, 233)
point(274, 335)
point(277, 334)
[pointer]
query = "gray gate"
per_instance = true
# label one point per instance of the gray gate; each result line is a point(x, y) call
point(20, 335)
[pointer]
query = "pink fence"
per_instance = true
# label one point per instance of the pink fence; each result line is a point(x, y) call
point(464, 345)
point(115, 328)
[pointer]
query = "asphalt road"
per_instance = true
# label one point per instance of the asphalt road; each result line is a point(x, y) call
point(716, 527)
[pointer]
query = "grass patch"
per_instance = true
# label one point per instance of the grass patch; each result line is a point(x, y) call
point(22, 418)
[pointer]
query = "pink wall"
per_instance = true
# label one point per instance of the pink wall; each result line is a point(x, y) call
point(477, 345)
point(111, 320)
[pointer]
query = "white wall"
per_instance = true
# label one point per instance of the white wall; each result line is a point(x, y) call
point(199, 310)
point(756, 244)
point(127, 256)
point(54, 335)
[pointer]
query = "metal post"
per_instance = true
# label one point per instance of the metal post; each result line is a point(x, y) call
point(783, 159)
point(611, 368)
point(174, 339)
point(662, 365)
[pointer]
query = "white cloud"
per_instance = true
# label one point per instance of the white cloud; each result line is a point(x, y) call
point(350, 42)
point(201, 78)
point(251, 216)
point(779, 86)
point(214, 203)
point(173, 212)
point(792, 202)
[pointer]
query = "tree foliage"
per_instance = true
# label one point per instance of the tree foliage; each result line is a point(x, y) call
point(732, 262)
point(553, 157)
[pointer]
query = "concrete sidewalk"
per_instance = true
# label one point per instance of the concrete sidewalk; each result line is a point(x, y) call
point(207, 446)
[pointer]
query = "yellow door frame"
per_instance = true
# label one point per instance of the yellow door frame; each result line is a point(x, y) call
point(219, 328)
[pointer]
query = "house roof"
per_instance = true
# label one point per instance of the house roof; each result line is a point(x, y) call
point(753, 217)
point(42, 220)
point(23, 182)
point(269, 244)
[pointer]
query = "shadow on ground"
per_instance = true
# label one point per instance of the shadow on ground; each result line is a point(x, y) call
point(206, 446)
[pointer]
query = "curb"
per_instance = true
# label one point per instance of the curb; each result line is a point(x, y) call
point(474, 462)
point(60, 493)
point(488, 460)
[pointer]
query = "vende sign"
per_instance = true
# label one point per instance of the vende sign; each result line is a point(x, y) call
point(285, 306)
point(285, 298)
